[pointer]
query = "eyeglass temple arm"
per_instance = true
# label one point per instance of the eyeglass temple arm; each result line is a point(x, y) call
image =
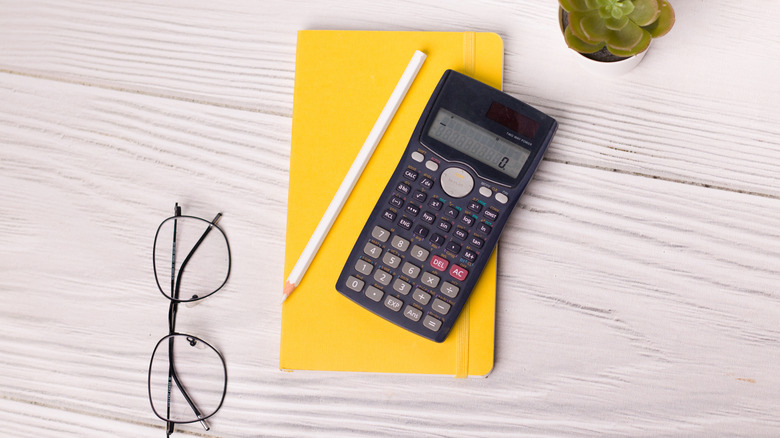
point(173, 375)
point(192, 251)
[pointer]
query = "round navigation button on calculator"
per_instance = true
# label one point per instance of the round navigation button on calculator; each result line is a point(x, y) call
point(456, 182)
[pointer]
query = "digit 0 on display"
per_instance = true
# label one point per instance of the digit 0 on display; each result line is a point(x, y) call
point(440, 216)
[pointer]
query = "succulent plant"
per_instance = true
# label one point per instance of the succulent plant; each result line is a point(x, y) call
point(624, 27)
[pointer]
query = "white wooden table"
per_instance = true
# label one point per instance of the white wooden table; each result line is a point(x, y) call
point(638, 279)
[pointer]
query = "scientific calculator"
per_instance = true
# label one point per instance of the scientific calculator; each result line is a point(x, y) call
point(439, 218)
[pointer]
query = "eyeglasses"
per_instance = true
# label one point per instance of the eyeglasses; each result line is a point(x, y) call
point(187, 376)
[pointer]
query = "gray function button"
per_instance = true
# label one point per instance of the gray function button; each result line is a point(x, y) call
point(374, 294)
point(393, 303)
point(456, 182)
point(402, 287)
point(372, 250)
point(432, 165)
point(485, 191)
point(411, 270)
point(382, 277)
point(419, 253)
point(421, 296)
point(432, 323)
point(380, 234)
point(413, 313)
point(364, 267)
point(400, 243)
point(440, 306)
point(449, 289)
point(354, 284)
point(391, 260)
point(500, 197)
point(418, 157)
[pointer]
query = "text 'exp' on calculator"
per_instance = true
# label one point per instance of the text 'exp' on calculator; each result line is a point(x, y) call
point(439, 218)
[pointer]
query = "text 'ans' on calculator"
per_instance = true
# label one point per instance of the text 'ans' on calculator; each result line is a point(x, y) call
point(439, 218)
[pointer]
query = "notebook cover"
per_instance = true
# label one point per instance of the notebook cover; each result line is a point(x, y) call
point(342, 82)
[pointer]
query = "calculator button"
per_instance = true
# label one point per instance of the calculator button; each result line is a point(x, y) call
point(490, 214)
point(435, 203)
point(374, 293)
point(456, 182)
point(484, 228)
point(403, 188)
point(391, 260)
point(432, 165)
point(413, 313)
point(402, 287)
point(440, 306)
point(453, 247)
point(500, 197)
point(396, 202)
point(432, 323)
point(476, 242)
point(412, 209)
point(429, 280)
point(474, 206)
point(485, 191)
point(355, 284)
point(427, 183)
point(470, 256)
point(461, 234)
point(418, 157)
point(400, 243)
point(444, 225)
point(449, 289)
point(382, 277)
point(458, 272)
point(419, 253)
point(421, 296)
point(468, 220)
point(428, 217)
point(410, 174)
point(389, 215)
point(364, 267)
point(372, 250)
point(421, 231)
point(411, 270)
point(380, 234)
point(439, 263)
point(405, 223)
point(437, 239)
point(420, 196)
point(393, 303)
point(451, 212)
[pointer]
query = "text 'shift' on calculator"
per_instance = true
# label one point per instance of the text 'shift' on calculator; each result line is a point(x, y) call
point(439, 218)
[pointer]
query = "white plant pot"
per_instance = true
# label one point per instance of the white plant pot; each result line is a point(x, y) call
point(604, 68)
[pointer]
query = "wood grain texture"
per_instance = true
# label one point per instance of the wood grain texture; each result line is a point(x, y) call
point(637, 278)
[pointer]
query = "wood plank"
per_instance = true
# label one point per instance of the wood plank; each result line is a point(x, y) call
point(627, 305)
point(685, 115)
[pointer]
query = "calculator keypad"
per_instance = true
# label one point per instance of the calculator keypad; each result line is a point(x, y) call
point(422, 248)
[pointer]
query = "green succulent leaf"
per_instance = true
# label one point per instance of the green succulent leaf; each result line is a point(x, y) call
point(573, 5)
point(579, 45)
point(645, 11)
point(664, 23)
point(616, 23)
point(628, 41)
point(591, 28)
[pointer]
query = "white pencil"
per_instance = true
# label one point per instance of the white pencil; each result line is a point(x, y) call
point(353, 174)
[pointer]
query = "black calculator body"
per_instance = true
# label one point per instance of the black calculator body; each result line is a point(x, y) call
point(439, 218)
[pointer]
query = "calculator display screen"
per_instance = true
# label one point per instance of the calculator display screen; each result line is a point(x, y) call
point(478, 143)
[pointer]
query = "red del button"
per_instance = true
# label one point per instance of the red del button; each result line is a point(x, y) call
point(458, 272)
point(439, 263)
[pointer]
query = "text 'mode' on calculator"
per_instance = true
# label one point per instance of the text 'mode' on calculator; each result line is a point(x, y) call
point(439, 218)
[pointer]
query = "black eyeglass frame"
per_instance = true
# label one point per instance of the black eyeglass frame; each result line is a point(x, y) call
point(172, 312)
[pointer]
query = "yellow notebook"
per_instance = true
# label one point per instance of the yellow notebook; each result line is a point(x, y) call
point(342, 81)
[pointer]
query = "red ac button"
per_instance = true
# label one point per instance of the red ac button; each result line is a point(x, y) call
point(458, 273)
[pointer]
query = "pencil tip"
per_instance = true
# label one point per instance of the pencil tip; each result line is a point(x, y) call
point(288, 289)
